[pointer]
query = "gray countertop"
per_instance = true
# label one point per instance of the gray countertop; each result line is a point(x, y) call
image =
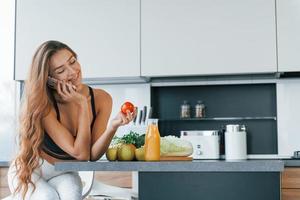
point(287, 163)
point(4, 163)
point(176, 166)
point(291, 162)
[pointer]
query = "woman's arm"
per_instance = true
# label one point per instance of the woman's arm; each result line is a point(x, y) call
point(82, 143)
point(78, 147)
point(102, 143)
point(102, 133)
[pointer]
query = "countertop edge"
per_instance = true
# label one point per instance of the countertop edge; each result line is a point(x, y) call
point(287, 163)
point(4, 163)
point(291, 163)
point(176, 166)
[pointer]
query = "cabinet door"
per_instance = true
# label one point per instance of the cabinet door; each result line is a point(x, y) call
point(288, 26)
point(290, 178)
point(290, 194)
point(290, 183)
point(104, 33)
point(201, 37)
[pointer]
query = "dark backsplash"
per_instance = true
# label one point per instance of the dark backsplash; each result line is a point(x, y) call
point(244, 100)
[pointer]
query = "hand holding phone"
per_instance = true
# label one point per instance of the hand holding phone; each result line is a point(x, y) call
point(53, 82)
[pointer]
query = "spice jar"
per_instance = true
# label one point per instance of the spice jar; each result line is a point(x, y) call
point(185, 111)
point(199, 109)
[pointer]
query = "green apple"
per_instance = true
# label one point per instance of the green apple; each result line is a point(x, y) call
point(140, 154)
point(126, 152)
point(111, 154)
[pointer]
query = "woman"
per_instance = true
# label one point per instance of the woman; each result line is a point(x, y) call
point(61, 119)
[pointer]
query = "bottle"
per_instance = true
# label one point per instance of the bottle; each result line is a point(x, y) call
point(199, 109)
point(185, 111)
point(152, 141)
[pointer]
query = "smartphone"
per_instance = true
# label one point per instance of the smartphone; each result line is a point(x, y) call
point(52, 82)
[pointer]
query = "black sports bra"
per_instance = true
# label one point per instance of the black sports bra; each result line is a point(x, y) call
point(49, 145)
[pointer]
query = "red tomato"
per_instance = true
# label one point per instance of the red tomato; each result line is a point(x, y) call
point(127, 106)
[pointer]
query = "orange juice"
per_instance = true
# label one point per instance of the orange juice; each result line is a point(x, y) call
point(152, 141)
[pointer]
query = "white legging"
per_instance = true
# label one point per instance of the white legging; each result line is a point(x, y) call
point(50, 184)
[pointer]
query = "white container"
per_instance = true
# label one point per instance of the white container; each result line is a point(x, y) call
point(206, 143)
point(235, 142)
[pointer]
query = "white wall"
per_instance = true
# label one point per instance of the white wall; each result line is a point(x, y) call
point(7, 31)
point(8, 87)
point(8, 113)
point(138, 94)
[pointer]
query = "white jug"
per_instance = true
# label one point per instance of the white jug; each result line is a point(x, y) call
point(235, 142)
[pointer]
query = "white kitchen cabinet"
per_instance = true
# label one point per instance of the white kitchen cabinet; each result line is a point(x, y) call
point(288, 26)
point(207, 37)
point(104, 33)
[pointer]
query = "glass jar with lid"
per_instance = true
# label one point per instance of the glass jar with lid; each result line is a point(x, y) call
point(185, 110)
point(199, 109)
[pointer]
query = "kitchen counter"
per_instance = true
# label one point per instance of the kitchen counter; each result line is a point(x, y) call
point(176, 166)
point(4, 164)
point(291, 162)
point(198, 179)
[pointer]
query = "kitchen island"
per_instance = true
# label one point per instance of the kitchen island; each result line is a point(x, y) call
point(205, 179)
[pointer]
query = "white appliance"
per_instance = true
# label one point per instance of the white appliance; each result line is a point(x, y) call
point(206, 143)
point(235, 142)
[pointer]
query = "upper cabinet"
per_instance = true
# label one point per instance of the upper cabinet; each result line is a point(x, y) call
point(104, 33)
point(288, 26)
point(204, 37)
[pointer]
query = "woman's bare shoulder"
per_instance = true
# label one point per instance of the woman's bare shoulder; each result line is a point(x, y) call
point(102, 97)
point(100, 93)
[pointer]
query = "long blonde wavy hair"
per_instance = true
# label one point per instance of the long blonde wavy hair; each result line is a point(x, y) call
point(36, 104)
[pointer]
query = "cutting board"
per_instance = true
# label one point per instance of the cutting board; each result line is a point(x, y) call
point(176, 158)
